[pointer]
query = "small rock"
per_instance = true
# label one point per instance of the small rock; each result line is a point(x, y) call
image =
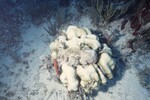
point(10, 94)
point(3, 98)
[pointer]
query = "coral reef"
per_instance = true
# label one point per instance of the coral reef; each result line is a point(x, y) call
point(82, 60)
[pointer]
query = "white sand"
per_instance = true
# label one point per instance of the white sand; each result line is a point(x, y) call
point(29, 80)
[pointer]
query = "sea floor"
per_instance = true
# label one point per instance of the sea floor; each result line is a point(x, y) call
point(30, 79)
point(27, 73)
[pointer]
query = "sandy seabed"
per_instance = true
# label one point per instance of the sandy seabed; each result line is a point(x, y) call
point(30, 79)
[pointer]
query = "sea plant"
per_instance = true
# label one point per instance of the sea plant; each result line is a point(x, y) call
point(110, 10)
point(140, 18)
point(52, 29)
point(59, 17)
point(139, 22)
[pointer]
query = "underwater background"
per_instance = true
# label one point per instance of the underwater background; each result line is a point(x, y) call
point(27, 27)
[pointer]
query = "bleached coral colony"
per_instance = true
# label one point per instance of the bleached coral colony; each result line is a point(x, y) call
point(82, 59)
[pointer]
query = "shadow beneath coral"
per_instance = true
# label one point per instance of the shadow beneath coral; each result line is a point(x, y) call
point(120, 67)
